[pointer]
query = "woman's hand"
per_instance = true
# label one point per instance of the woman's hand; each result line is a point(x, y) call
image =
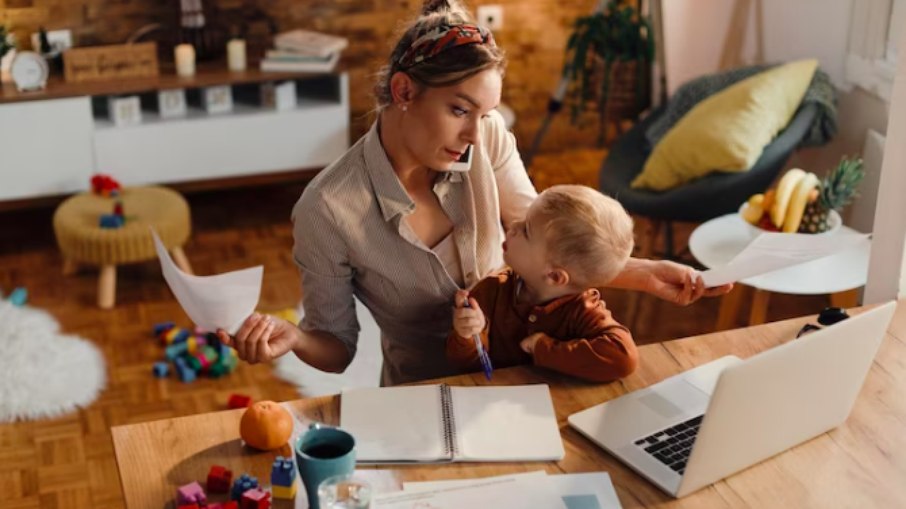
point(262, 338)
point(467, 321)
point(668, 280)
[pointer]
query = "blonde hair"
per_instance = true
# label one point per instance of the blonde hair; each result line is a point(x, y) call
point(450, 67)
point(586, 233)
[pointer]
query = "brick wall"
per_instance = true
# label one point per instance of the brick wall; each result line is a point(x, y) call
point(534, 36)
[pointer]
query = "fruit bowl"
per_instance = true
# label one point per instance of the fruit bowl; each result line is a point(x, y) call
point(834, 221)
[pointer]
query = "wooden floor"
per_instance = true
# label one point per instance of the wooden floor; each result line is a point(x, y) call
point(69, 462)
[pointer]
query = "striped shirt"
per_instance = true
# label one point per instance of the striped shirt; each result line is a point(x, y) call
point(351, 241)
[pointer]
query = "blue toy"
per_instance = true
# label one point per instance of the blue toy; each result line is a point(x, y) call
point(283, 472)
point(161, 369)
point(242, 484)
point(18, 297)
point(111, 221)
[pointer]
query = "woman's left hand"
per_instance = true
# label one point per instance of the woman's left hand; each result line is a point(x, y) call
point(678, 283)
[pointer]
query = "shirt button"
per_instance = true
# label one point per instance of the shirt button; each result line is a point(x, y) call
point(532, 318)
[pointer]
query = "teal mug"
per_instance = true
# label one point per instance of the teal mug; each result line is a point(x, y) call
point(323, 452)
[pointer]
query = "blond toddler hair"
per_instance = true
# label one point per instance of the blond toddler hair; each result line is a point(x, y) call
point(586, 233)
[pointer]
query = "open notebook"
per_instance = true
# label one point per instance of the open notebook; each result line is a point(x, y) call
point(436, 423)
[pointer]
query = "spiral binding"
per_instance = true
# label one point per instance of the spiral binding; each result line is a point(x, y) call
point(449, 421)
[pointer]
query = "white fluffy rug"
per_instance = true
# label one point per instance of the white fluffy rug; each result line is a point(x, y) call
point(365, 370)
point(44, 373)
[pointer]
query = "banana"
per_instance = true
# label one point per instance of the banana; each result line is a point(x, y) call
point(752, 213)
point(768, 201)
point(798, 202)
point(785, 188)
point(753, 209)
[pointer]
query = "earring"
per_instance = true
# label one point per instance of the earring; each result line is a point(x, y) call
point(404, 107)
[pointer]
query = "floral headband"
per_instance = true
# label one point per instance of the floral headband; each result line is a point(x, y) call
point(442, 38)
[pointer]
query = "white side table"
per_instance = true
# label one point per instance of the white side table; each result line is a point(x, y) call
point(717, 241)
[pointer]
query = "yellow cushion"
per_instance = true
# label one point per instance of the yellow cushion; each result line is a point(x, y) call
point(729, 130)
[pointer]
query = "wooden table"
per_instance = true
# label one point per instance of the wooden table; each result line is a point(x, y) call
point(860, 464)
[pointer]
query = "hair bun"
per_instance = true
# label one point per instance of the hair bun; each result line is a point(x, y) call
point(433, 6)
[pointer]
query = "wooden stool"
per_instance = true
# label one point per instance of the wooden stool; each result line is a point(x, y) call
point(83, 242)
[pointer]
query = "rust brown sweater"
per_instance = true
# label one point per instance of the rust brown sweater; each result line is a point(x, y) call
point(581, 338)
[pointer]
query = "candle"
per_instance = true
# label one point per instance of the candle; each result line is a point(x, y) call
point(236, 55)
point(185, 60)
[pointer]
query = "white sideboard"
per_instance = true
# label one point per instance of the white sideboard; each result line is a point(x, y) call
point(52, 145)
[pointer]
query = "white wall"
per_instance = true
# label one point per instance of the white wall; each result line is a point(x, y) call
point(694, 36)
point(695, 30)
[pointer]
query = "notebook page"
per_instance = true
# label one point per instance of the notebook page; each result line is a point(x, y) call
point(525, 492)
point(513, 423)
point(394, 424)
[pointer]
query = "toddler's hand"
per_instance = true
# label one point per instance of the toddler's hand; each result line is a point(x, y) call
point(467, 321)
point(528, 344)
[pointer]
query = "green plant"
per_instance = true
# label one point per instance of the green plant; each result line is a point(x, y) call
point(5, 44)
point(615, 34)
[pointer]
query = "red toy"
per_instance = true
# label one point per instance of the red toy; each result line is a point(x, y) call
point(239, 401)
point(256, 498)
point(219, 479)
point(104, 185)
point(232, 504)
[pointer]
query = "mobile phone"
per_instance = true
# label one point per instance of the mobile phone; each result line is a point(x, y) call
point(464, 162)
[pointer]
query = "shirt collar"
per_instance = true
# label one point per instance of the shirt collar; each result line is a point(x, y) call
point(391, 196)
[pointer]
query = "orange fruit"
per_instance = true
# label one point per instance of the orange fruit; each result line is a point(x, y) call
point(266, 425)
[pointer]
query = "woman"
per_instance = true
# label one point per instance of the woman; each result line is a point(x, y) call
point(391, 224)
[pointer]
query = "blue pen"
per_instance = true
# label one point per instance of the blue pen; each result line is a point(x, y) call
point(482, 354)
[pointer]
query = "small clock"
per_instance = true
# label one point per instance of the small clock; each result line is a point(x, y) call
point(29, 71)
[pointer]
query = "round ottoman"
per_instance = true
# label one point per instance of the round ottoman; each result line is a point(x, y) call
point(83, 242)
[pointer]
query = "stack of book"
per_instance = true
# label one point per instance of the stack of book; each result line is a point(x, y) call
point(304, 51)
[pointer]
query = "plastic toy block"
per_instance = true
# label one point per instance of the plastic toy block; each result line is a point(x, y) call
point(205, 362)
point(175, 335)
point(239, 401)
point(162, 327)
point(18, 297)
point(285, 493)
point(161, 369)
point(256, 498)
point(191, 494)
point(217, 370)
point(242, 484)
point(111, 221)
point(175, 350)
point(224, 505)
point(283, 472)
point(194, 363)
point(201, 340)
point(186, 374)
point(209, 352)
point(192, 344)
point(219, 479)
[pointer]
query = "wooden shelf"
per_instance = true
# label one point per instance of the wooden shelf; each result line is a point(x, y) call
point(57, 88)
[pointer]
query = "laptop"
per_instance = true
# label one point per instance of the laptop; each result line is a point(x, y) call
point(695, 428)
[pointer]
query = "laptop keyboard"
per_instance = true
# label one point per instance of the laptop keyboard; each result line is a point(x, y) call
point(672, 446)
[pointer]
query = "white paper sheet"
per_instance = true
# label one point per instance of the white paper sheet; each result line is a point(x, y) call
point(529, 491)
point(592, 490)
point(222, 301)
point(773, 251)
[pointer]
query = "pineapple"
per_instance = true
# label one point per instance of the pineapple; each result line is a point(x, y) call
point(835, 192)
